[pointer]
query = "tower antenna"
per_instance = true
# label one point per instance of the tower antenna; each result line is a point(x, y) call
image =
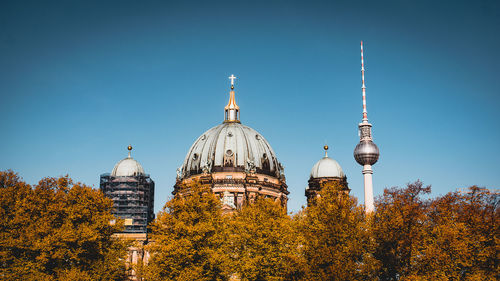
point(363, 87)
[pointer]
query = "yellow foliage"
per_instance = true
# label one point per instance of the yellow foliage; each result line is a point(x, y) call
point(56, 229)
point(334, 236)
point(188, 237)
point(262, 242)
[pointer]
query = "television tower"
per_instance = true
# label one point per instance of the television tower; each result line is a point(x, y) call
point(366, 152)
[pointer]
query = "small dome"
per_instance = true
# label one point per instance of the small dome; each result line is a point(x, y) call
point(366, 153)
point(327, 168)
point(127, 167)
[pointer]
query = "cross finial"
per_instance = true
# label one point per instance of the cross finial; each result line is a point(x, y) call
point(232, 78)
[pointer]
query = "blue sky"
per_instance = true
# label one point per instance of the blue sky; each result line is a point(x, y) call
point(80, 80)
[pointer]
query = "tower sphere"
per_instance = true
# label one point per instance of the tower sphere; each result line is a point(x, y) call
point(366, 152)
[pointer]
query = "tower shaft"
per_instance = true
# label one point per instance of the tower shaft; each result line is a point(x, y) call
point(367, 176)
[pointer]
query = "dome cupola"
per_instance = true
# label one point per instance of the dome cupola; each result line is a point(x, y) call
point(327, 167)
point(127, 167)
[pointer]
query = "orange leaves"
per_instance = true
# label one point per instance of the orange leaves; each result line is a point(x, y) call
point(57, 228)
point(448, 237)
point(188, 237)
point(334, 237)
point(262, 242)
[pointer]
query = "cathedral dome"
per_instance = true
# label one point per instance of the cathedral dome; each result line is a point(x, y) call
point(231, 146)
point(235, 161)
point(127, 167)
point(327, 167)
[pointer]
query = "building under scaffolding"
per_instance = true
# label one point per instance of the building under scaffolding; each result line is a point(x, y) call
point(132, 192)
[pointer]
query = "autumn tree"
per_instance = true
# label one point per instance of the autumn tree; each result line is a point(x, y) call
point(481, 214)
point(334, 237)
point(397, 229)
point(441, 253)
point(56, 230)
point(263, 244)
point(460, 237)
point(452, 237)
point(188, 237)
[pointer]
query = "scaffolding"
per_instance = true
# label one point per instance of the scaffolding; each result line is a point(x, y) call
point(133, 200)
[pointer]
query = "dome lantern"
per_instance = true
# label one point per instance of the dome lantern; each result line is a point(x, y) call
point(232, 110)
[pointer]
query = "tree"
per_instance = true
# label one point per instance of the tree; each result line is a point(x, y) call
point(397, 228)
point(334, 237)
point(459, 242)
point(481, 214)
point(452, 237)
point(262, 243)
point(57, 230)
point(188, 238)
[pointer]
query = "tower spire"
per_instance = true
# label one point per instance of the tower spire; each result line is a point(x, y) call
point(363, 87)
point(232, 110)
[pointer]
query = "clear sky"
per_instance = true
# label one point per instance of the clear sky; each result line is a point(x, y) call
point(81, 80)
